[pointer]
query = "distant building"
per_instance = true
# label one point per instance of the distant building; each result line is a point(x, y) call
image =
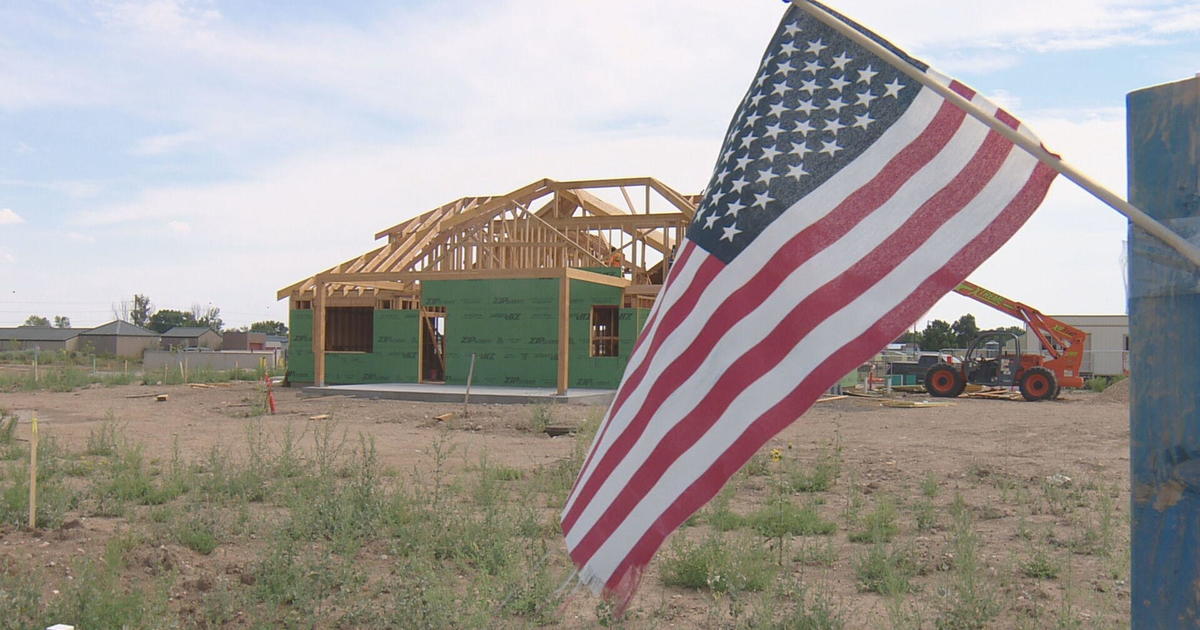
point(1106, 351)
point(234, 340)
point(279, 342)
point(39, 338)
point(191, 337)
point(118, 338)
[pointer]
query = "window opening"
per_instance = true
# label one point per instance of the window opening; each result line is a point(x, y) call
point(605, 334)
point(349, 328)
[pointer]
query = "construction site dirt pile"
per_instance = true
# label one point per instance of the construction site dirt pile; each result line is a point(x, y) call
point(1116, 393)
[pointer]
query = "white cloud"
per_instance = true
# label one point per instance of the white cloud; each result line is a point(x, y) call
point(72, 188)
point(1005, 99)
point(1067, 259)
point(166, 143)
point(978, 61)
point(7, 257)
point(165, 17)
point(79, 237)
point(1022, 24)
point(517, 90)
point(228, 86)
point(8, 217)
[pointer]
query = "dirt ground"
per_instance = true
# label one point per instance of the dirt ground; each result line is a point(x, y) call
point(1035, 476)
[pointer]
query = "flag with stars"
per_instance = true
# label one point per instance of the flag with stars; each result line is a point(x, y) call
point(848, 198)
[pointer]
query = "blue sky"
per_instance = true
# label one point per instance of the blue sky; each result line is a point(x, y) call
point(212, 152)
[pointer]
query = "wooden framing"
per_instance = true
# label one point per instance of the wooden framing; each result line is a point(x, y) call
point(564, 324)
point(503, 236)
point(318, 334)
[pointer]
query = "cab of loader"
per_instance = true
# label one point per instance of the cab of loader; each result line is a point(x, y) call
point(994, 359)
point(991, 359)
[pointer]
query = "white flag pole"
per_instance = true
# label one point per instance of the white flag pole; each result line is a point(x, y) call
point(1139, 218)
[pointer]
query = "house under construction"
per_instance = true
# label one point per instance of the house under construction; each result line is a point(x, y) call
point(546, 286)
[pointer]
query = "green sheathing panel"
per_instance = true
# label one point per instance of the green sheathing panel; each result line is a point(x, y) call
point(510, 325)
point(629, 334)
point(393, 358)
point(396, 345)
point(607, 271)
point(632, 320)
point(347, 368)
point(588, 371)
point(300, 355)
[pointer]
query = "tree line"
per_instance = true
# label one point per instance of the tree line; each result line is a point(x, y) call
point(940, 334)
point(60, 321)
point(141, 312)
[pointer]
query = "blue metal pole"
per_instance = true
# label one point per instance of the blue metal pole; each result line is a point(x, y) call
point(1164, 329)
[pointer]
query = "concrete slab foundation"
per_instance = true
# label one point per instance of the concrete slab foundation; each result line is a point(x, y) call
point(483, 394)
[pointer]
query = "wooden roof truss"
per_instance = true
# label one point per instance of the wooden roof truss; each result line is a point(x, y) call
point(546, 224)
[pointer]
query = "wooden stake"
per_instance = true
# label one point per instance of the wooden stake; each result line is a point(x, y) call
point(33, 467)
point(467, 396)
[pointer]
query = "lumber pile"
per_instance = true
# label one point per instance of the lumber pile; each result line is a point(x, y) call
point(995, 393)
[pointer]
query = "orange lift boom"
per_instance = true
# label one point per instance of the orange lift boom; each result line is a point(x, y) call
point(1062, 341)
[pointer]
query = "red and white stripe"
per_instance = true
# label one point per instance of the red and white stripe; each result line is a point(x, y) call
point(733, 353)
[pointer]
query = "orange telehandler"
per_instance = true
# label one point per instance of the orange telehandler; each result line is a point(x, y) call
point(989, 361)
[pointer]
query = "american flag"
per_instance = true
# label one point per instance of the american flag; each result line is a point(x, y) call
point(847, 199)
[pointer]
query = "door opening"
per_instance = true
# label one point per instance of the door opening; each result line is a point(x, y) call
point(433, 345)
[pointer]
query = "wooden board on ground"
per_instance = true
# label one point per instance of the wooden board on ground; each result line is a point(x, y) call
point(916, 404)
